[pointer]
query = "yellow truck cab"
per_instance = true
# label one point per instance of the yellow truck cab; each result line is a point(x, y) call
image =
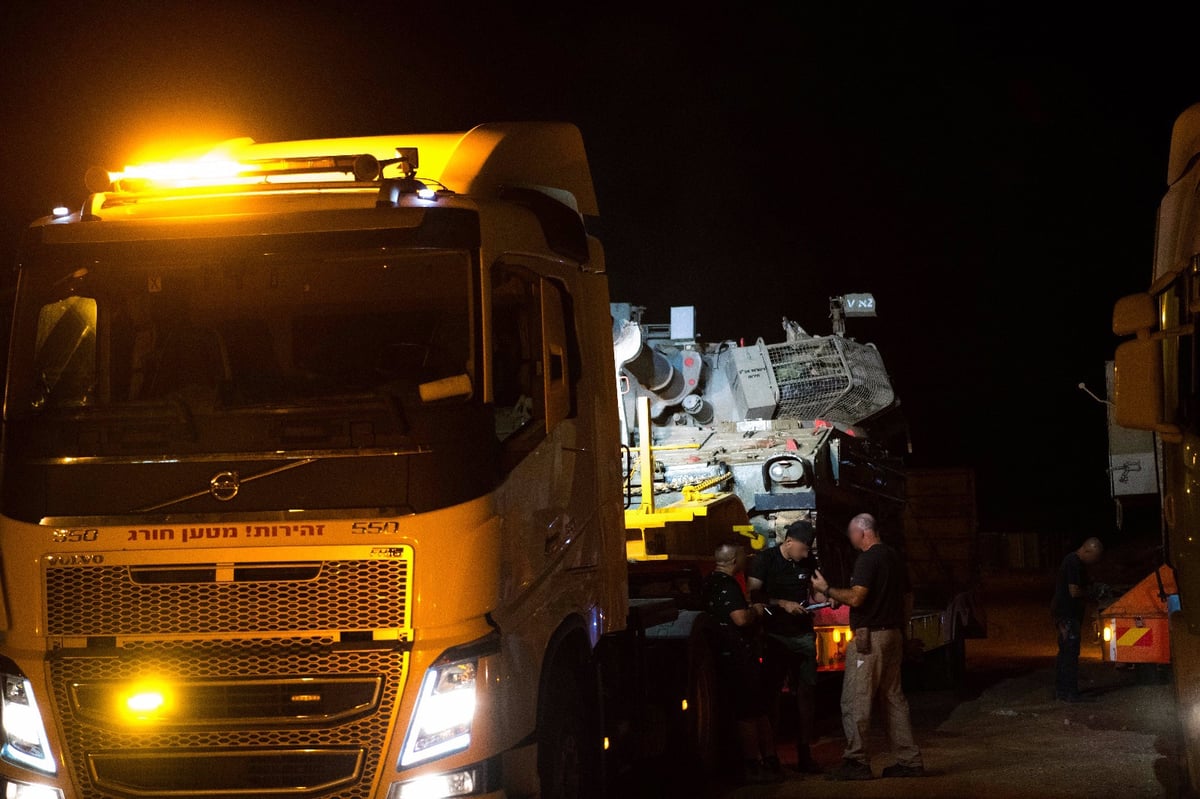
point(310, 476)
point(1155, 389)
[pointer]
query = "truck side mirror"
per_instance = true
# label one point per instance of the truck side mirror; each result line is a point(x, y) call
point(1137, 384)
point(1134, 314)
point(1138, 369)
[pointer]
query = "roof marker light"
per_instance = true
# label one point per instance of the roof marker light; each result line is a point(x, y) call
point(392, 189)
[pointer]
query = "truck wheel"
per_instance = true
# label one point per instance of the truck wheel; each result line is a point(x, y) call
point(693, 750)
point(1145, 673)
point(700, 719)
point(956, 662)
point(568, 736)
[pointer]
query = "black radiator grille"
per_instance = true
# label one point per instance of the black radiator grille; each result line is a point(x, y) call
point(117, 600)
point(234, 636)
point(346, 756)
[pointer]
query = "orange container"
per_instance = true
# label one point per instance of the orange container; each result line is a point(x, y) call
point(1134, 629)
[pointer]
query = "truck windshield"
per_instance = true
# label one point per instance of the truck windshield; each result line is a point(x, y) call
point(142, 329)
point(138, 370)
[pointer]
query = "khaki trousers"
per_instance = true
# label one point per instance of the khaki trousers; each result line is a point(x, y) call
point(877, 676)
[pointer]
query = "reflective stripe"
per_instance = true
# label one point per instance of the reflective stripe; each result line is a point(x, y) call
point(1134, 636)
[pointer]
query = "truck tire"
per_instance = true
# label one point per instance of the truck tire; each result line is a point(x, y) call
point(700, 719)
point(1148, 673)
point(955, 664)
point(684, 691)
point(568, 731)
point(693, 731)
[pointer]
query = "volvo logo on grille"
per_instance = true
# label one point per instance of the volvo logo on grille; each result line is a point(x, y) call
point(224, 485)
point(74, 560)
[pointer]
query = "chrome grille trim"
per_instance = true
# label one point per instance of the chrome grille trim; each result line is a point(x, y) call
point(307, 455)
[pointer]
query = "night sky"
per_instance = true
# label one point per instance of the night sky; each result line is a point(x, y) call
point(992, 179)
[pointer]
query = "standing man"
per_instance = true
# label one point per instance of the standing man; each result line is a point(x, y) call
point(737, 663)
point(880, 603)
point(1070, 592)
point(783, 577)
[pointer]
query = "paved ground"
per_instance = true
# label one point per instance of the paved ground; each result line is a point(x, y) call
point(1001, 735)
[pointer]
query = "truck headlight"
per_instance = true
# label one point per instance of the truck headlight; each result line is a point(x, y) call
point(441, 723)
point(25, 741)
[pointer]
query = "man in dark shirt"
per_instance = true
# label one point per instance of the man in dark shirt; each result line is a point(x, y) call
point(880, 603)
point(783, 576)
point(737, 662)
point(1070, 592)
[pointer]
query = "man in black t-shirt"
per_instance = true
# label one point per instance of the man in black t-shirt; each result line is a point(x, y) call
point(737, 662)
point(1070, 593)
point(783, 577)
point(879, 601)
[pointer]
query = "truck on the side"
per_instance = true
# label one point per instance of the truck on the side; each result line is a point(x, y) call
point(941, 540)
point(1155, 388)
point(1132, 623)
point(749, 437)
point(311, 484)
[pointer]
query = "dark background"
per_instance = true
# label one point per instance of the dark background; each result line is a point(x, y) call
point(991, 175)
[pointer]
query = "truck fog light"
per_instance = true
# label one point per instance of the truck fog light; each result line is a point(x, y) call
point(25, 741)
point(23, 790)
point(441, 723)
point(436, 786)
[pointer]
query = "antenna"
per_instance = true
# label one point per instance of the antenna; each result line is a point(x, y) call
point(1083, 387)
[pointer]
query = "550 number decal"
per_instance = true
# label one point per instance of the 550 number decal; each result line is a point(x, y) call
point(76, 536)
point(375, 528)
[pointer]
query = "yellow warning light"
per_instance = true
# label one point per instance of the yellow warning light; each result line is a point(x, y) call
point(197, 172)
point(837, 636)
point(684, 706)
point(849, 635)
point(219, 169)
point(1107, 634)
point(145, 703)
point(606, 743)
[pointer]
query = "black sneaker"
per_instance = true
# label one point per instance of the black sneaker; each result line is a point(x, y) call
point(851, 770)
point(806, 765)
point(772, 770)
point(804, 761)
point(898, 770)
point(753, 773)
